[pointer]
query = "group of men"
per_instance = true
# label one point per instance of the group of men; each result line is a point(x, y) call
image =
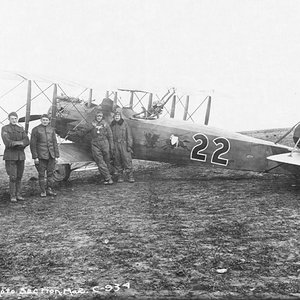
point(109, 141)
point(114, 142)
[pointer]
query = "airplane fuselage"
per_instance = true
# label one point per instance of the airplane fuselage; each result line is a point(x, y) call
point(180, 142)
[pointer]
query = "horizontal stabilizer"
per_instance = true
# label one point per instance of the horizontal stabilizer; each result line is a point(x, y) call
point(286, 158)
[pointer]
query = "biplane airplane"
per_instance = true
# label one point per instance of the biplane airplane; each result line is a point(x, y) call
point(161, 139)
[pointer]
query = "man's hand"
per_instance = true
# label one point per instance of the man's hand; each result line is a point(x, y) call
point(36, 161)
point(129, 149)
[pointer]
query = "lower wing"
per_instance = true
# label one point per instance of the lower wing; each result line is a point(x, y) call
point(73, 153)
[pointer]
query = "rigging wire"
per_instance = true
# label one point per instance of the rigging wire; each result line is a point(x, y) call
point(197, 108)
point(30, 100)
point(139, 100)
point(82, 92)
point(43, 91)
point(83, 118)
point(287, 133)
point(3, 95)
point(73, 104)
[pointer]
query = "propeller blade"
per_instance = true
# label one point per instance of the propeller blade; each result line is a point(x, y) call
point(38, 117)
point(32, 118)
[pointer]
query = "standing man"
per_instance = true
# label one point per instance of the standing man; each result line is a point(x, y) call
point(102, 146)
point(44, 150)
point(123, 147)
point(15, 140)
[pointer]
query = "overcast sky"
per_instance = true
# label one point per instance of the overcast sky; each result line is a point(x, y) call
point(248, 52)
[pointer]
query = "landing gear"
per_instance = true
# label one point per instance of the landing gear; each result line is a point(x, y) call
point(62, 172)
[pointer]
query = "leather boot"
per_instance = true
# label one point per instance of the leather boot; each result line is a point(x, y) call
point(18, 190)
point(130, 176)
point(49, 184)
point(108, 181)
point(50, 192)
point(12, 191)
point(42, 187)
point(120, 177)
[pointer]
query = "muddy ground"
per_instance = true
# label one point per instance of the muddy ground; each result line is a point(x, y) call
point(176, 233)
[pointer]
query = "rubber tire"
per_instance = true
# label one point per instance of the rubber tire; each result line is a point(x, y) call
point(62, 172)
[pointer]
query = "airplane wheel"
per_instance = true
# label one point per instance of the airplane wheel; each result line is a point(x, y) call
point(62, 172)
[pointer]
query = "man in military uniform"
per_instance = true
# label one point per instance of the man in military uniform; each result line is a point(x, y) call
point(15, 140)
point(123, 147)
point(102, 146)
point(44, 150)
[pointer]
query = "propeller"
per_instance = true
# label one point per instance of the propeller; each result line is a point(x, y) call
point(32, 118)
point(38, 117)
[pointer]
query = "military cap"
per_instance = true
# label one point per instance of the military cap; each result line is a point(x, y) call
point(45, 116)
point(12, 114)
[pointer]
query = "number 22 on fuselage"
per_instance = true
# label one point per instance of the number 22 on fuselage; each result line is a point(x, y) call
point(220, 146)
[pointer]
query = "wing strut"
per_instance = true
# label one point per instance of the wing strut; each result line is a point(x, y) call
point(149, 103)
point(28, 107)
point(186, 107)
point(208, 107)
point(172, 114)
point(90, 98)
point(116, 99)
point(54, 106)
